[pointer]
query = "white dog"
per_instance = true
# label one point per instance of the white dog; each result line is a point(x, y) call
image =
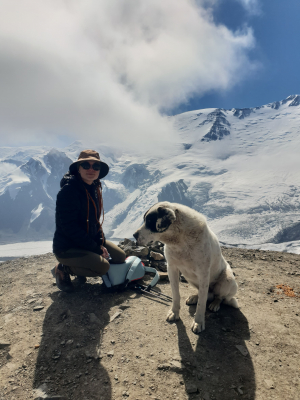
point(192, 249)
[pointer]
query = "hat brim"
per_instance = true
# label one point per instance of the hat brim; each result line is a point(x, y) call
point(103, 170)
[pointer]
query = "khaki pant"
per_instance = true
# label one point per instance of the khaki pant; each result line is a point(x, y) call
point(86, 263)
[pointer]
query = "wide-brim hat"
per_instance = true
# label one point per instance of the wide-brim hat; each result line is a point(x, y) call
point(89, 155)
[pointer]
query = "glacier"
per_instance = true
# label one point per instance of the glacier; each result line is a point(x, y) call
point(238, 167)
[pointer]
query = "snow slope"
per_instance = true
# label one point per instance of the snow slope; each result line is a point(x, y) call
point(238, 167)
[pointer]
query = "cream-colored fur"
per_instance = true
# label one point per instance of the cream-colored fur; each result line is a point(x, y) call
point(192, 249)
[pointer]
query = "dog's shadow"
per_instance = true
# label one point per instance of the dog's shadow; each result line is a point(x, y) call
point(214, 366)
point(69, 358)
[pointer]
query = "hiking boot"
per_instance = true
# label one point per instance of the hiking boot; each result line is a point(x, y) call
point(81, 279)
point(63, 281)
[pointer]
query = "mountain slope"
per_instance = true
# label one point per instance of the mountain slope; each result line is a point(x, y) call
point(238, 167)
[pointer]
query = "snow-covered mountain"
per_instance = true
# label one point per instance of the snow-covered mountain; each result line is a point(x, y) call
point(29, 182)
point(238, 167)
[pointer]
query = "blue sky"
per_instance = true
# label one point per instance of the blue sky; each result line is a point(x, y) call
point(276, 29)
point(113, 70)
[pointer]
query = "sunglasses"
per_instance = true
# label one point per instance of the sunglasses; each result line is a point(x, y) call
point(87, 165)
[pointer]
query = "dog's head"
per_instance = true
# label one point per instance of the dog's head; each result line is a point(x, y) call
point(157, 221)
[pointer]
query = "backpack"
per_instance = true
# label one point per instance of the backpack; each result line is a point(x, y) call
point(131, 270)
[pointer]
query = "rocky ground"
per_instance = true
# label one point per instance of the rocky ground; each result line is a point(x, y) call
point(97, 344)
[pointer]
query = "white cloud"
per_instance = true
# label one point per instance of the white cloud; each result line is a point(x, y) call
point(106, 68)
point(252, 6)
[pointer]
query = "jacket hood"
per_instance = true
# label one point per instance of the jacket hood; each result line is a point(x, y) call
point(68, 179)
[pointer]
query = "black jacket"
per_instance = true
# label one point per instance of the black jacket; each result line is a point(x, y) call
point(71, 217)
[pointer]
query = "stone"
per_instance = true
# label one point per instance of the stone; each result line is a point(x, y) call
point(94, 319)
point(177, 366)
point(163, 276)
point(127, 241)
point(239, 389)
point(4, 343)
point(140, 251)
point(116, 315)
point(88, 354)
point(158, 247)
point(191, 388)
point(147, 278)
point(123, 307)
point(160, 265)
point(242, 349)
point(110, 353)
point(163, 366)
point(40, 392)
point(50, 397)
point(38, 308)
point(269, 384)
point(156, 256)
point(56, 354)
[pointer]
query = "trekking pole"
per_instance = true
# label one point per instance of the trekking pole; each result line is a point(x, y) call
point(161, 294)
point(156, 293)
point(152, 294)
point(149, 287)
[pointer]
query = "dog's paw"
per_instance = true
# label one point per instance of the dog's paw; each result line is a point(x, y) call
point(198, 327)
point(172, 316)
point(193, 299)
point(215, 305)
point(232, 302)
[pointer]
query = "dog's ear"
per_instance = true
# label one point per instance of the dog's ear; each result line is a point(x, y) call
point(144, 217)
point(165, 218)
point(147, 212)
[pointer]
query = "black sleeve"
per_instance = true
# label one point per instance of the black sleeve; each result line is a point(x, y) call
point(99, 240)
point(67, 209)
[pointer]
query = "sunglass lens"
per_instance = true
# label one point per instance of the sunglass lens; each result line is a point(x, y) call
point(85, 165)
point(96, 167)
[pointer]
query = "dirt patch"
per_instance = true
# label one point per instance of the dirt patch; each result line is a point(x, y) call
point(94, 344)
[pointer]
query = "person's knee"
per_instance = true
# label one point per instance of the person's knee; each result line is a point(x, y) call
point(120, 257)
point(104, 267)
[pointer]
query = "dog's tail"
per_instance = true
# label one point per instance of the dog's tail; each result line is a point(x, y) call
point(232, 302)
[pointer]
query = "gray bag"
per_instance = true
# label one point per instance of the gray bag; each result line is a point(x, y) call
point(131, 270)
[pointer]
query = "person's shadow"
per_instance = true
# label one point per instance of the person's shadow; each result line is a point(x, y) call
point(215, 367)
point(69, 359)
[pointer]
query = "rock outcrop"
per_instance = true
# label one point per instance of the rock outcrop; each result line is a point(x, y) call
point(152, 255)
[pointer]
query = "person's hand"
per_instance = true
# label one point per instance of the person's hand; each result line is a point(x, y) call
point(104, 253)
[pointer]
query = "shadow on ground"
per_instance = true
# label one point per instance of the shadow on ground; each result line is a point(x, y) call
point(69, 360)
point(215, 365)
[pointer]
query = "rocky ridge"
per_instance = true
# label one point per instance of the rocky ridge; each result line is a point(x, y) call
point(151, 255)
